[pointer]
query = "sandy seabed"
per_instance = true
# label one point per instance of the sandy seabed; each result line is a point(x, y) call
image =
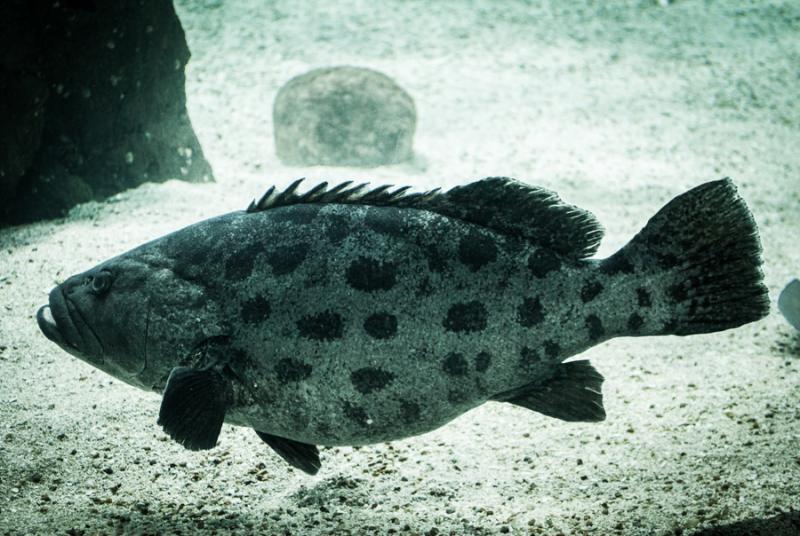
point(618, 106)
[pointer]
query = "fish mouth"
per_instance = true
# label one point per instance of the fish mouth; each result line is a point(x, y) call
point(48, 325)
point(61, 322)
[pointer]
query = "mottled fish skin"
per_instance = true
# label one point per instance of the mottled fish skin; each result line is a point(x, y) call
point(366, 324)
point(353, 325)
point(348, 324)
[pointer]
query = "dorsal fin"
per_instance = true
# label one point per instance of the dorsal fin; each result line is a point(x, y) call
point(517, 209)
point(502, 204)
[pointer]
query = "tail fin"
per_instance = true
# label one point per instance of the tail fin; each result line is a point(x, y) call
point(702, 257)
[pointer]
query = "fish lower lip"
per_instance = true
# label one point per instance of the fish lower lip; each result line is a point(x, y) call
point(48, 325)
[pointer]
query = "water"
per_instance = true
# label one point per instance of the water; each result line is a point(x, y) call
point(617, 107)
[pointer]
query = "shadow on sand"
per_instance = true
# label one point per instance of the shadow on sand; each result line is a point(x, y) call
point(781, 525)
point(789, 345)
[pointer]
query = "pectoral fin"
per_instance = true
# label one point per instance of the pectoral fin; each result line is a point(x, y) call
point(193, 407)
point(300, 455)
point(573, 393)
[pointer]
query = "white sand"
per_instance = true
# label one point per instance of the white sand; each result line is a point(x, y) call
point(616, 106)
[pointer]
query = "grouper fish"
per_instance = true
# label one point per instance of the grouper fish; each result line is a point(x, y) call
point(347, 316)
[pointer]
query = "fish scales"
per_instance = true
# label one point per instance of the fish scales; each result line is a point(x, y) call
point(411, 275)
point(343, 317)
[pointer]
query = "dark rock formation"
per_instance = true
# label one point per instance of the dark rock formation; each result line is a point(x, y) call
point(343, 116)
point(92, 103)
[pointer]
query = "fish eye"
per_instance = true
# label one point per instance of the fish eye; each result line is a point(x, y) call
point(101, 282)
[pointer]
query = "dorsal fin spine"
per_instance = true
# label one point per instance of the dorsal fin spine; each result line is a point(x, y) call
point(345, 192)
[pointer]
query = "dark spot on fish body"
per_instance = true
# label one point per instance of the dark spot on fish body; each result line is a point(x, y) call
point(285, 259)
point(643, 297)
point(668, 260)
point(543, 261)
point(678, 293)
point(595, 327)
point(504, 282)
point(237, 356)
point(324, 326)
point(370, 275)
point(455, 364)
point(529, 358)
point(381, 325)
point(476, 250)
point(551, 349)
point(190, 248)
point(301, 214)
point(388, 221)
point(409, 411)
point(239, 265)
point(590, 291)
point(466, 317)
point(482, 361)
point(292, 370)
point(457, 396)
point(368, 380)
point(670, 327)
point(255, 310)
point(530, 312)
point(617, 264)
point(337, 228)
point(425, 287)
point(635, 321)
point(356, 414)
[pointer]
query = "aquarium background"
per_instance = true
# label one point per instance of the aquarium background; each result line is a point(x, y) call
point(618, 107)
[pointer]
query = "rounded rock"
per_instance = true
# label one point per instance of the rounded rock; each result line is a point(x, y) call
point(343, 116)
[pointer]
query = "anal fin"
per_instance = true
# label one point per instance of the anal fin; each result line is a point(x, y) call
point(193, 407)
point(300, 455)
point(572, 394)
